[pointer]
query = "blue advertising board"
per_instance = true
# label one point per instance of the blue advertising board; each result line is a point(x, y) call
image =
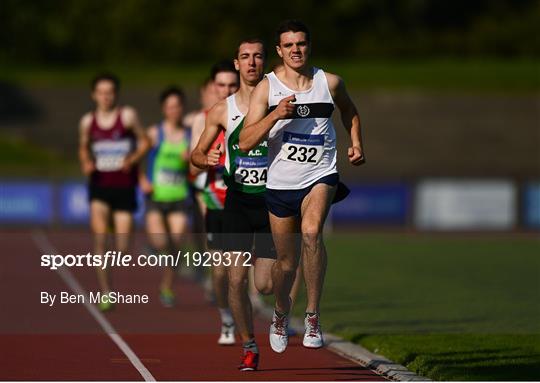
point(74, 207)
point(26, 202)
point(531, 205)
point(374, 203)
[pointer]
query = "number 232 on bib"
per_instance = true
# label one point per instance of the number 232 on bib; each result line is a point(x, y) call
point(302, 148)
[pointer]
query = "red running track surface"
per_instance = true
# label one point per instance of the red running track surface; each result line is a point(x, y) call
point(64, 342)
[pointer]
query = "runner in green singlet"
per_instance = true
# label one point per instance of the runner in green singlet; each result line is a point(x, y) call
point(166, 186)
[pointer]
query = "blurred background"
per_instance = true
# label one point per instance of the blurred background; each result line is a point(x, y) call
point(440, 232)
point(443, 89)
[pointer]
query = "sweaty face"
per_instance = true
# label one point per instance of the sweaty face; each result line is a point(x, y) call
point(173, 108)
point(250, 62)
point(225, 84)
point(293, 49)
point(104, 94)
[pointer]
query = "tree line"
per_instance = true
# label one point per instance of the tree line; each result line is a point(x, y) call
point(79, 32)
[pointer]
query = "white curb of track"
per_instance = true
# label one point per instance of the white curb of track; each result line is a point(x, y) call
point(356, 353)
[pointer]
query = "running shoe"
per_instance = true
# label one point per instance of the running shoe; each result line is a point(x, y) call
point(167, 298)
point(227, 334)
point(279, 336)
point(313, 337)
point(105, 305)
point(250, 361)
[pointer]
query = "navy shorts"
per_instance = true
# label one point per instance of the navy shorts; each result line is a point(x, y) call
point(287, 203)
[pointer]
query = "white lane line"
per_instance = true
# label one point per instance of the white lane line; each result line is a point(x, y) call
point(41, 240)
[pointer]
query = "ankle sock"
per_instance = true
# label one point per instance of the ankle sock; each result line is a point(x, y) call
point(250, 345)
point(226, 316)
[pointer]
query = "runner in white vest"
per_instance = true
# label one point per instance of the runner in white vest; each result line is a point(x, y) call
point(292, 108)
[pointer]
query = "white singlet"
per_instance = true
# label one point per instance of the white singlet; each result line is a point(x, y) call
point(302, 149)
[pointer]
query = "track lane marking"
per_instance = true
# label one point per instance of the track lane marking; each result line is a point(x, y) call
point(43, 243)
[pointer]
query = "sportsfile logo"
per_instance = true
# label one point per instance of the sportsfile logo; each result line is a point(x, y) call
point(119, 259)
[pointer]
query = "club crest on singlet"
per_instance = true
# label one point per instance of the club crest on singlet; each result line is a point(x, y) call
point(302, 110)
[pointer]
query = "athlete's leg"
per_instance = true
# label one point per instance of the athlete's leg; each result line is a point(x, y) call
point(220, 283)
point(297, 284)
point(262, 275)
point(314, 209)
point(239, 299)
point(157, 231)
point(177, 222)
point(123, 225)
point(199, 235)
point(263, 278)
point(214, 229)
point(254, 294)
point(156, 228)
point(285, 234)
point(99, 222)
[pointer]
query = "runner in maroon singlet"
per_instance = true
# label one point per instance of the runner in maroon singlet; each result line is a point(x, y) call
point(111, 143)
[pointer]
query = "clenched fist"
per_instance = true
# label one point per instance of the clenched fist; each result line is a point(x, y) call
point(285, 108)
point(356, 156)
point(212, 158)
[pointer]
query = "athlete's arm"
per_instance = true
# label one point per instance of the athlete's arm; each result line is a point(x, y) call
point(258, 121)
point(144, 182)
point(85, 157)
point(131, 120)
point(199, 122)
point(349, 118)
point(202, 157)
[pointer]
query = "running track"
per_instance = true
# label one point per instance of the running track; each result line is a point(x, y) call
point(68, 342)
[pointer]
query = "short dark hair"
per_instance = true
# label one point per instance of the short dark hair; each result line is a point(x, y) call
point(105, 76)
point(172, 91)
point(207, 81)
point(292, 26)
point(222, 66)
point(251, 40)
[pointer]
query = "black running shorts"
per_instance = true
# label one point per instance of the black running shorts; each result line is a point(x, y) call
point(214, 229)
point(246, 224)
point(118, 199)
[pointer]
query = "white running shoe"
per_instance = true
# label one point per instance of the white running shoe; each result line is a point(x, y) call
point(313, 337)
point(227, 335)
point(279, 336)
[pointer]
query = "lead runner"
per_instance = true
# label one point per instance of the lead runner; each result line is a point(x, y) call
point(292, 108)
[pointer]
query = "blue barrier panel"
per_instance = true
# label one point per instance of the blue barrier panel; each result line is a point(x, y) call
point(74, 207)
point(531, 205)
point(380, 204)
point(26, 202)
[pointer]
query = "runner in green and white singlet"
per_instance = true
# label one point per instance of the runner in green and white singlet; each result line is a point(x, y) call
point(245, 172)
point(245, 216)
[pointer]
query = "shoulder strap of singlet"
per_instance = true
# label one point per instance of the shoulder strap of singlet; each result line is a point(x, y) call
point(161, 133)
point(119, 117)
point(187, 135)
point(152, 153)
